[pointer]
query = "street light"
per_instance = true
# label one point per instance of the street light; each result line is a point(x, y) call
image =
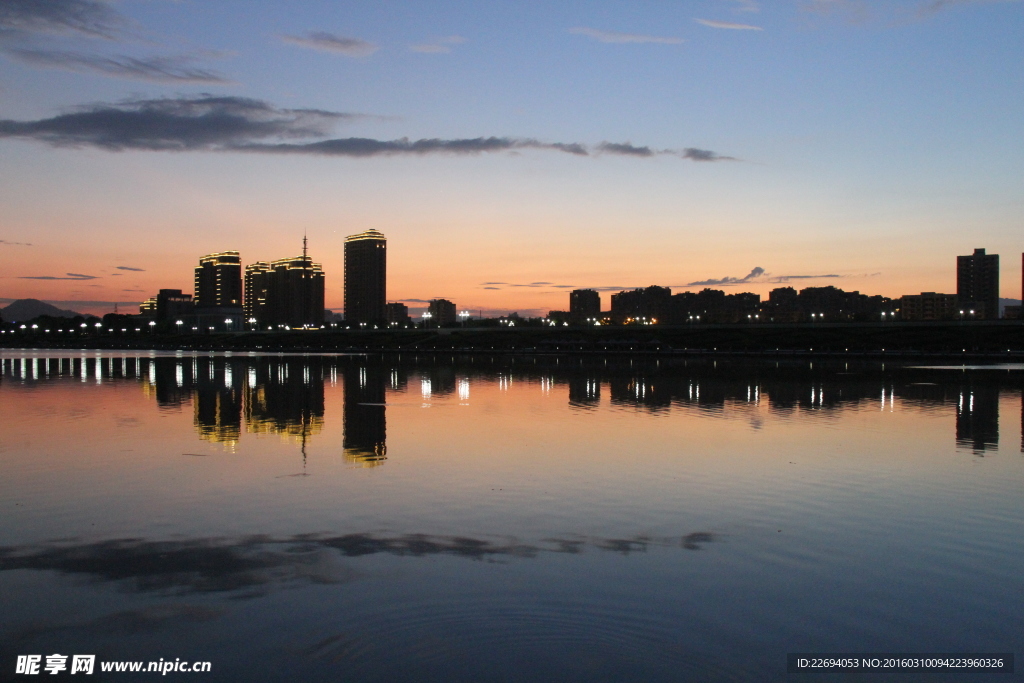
point(179, 324)
point(152, 326)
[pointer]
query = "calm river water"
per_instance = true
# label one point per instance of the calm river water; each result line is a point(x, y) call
point(350, 518)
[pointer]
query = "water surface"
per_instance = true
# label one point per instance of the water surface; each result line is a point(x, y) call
point(292, 517)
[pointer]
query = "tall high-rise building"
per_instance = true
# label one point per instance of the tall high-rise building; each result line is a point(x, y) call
point(288, 292)
point(256, 284)
point(584, 306)
point(219, 281)
point(365, 277)
point(977, 283)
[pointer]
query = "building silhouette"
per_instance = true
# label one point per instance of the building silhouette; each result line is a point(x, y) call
point(288, 292)
point(977, 284)
point(442, 312)
point(365, 278)
point(649, 304)
point(219, 281)
point(929, 306)
point(584, 306)
point(397, 314)
point(167, 305)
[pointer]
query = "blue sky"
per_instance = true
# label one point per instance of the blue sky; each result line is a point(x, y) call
point(872, 141)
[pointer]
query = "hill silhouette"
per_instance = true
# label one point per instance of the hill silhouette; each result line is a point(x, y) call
point(27, 309)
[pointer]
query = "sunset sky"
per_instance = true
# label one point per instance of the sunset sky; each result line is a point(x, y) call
point(511, 151)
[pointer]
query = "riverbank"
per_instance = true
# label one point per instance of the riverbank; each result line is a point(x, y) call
point(1002, 340)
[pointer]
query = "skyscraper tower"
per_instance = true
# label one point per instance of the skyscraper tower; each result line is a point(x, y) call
point(365, 277)
point(288, 292)
point(977, 283)
point(219, 281)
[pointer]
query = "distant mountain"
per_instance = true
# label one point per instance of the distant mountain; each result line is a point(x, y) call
point(26, 309)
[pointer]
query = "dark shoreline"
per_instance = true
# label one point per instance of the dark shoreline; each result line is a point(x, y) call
point(991, 341)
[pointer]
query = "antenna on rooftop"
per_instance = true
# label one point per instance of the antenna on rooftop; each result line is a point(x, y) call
point(303, 245)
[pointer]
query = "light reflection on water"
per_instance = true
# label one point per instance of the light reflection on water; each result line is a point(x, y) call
point(357, 518)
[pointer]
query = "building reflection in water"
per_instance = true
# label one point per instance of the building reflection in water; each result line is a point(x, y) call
point(364, 414)
point(977, 417)
point(216, 400)
point(284, 395)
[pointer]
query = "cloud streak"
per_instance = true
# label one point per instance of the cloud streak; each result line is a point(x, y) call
point(692, 153)
point(728, 25)
point(439, 46)
point(787, 278)
point(16, 244)
point(70, 276)
point(236, 124)
point(754, 274)
point(614, 37)
point(88, 17)
point(166, 69)
point(138, 270)
point(333, 44)
point(931, 7)
point(746, 6)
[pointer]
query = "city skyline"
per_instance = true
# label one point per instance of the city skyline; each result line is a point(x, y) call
point(511, 157)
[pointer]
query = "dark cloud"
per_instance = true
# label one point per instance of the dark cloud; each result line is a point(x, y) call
point(694, 154)
point(625, 148)
point(165, 69)
point(329, 42)
point(492, 288)
point(691, 153)
point(70, 276)
point(495, 283)
point(204, 122)
point(88, 17)
point(138, 270)
point(367, 147)
point(237, 124)
point(752, 275)
point(16, 244)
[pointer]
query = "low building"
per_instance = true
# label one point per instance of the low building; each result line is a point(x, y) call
point(929, 306)
point(442, 313)
point(397, 314)
point(168, 305)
